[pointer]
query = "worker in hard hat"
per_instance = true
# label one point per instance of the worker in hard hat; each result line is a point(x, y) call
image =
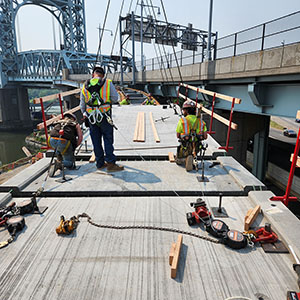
point(125, 101)
point(96, 99)
point(149, 101)
point(190, 131)
point(64, 137)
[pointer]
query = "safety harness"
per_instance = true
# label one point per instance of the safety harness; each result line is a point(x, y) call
point(96, 94)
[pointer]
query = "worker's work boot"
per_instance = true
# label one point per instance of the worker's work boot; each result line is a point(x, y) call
point(112, 167)
point(189, 163)
point(103, 166)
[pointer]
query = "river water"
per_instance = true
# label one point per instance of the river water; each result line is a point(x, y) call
point(11, 143)
point(11, 146)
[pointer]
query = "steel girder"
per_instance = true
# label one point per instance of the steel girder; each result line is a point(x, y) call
point(71, 17)
point(47, 65)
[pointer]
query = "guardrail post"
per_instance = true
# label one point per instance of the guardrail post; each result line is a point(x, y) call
point(226, 148)
point(215, 46)
point(45, 124)
point(286, 198)
point(263, 37)
point(234, 48)
point(212, 115)
point(60, 104)
point(181, 58)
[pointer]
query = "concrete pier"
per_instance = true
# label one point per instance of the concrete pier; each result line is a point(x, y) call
point(14, 108)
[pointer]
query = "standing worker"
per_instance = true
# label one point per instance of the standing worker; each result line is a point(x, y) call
point(190, 131)
point(65, 136)
point(96, 100)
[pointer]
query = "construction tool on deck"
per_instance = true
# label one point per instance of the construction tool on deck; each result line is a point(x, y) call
point(67, 226)
point(203, 147)
point(162, 119)
point(201, 213)
point(13, 225)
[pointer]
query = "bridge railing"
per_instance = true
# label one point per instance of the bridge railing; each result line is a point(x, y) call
point(275, 33)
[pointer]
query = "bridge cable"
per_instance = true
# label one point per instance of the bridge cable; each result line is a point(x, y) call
point(163, 46)
point(162, 67)
point(163, 7)
point(117, 27)
point(101, 36)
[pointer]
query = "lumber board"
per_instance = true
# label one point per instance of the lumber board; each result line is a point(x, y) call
point(52, 120)
point(234, 126)
point(218, 95)
point(142, 127)
point(139, 132)
point(298, 114)
point(171, 157)
point(135, 135)
point(26, 151)
point(251, 218)
point(156, 137)
point(248, 214)
point(172, 252)
point(55, 96)
point(92, 158)
point(297, 162)
point(175, 260)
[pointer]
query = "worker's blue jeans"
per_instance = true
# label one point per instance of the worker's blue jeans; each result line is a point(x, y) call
point(60, 146)
point(105, 130)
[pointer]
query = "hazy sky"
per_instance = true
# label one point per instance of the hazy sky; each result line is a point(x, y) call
point(229, 16)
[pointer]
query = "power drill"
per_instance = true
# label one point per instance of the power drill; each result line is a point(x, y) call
point(67, 226)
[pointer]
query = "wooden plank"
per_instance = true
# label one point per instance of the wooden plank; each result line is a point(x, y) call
point(234, 126)
point(172, 252)
point(141, 127)
point(175, 260)
point(252, 217)
point(248, 214)
point(26, 151)
point(218, 95)
point(171, 157)
point(298, 114)
point(92, 158)
point(55, 96)
point(51, 121)
point(156, 137)
point(297, 162)
point(136, 130)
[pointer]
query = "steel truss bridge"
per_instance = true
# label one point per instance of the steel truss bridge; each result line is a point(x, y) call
point(47, 65)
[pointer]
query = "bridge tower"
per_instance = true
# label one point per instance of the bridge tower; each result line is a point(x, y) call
point(14, 106)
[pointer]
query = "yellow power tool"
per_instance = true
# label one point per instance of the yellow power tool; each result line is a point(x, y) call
point(67, 226)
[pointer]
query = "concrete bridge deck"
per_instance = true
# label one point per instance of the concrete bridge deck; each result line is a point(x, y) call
point(98, 263)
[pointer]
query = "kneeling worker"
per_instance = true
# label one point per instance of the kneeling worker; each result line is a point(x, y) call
point(191, 130)
point(65, 136)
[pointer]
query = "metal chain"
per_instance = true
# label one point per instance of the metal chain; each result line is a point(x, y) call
point(84, 215)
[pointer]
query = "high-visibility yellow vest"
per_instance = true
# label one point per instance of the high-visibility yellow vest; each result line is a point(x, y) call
point(191, 124)
point(104, 93)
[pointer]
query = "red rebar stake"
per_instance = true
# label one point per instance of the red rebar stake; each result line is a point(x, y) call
point(61, 107)
point(286, 198)
point(229, 128)
point(45, 124)
point(212, 115)
point(186, 92)
point(178, 94)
